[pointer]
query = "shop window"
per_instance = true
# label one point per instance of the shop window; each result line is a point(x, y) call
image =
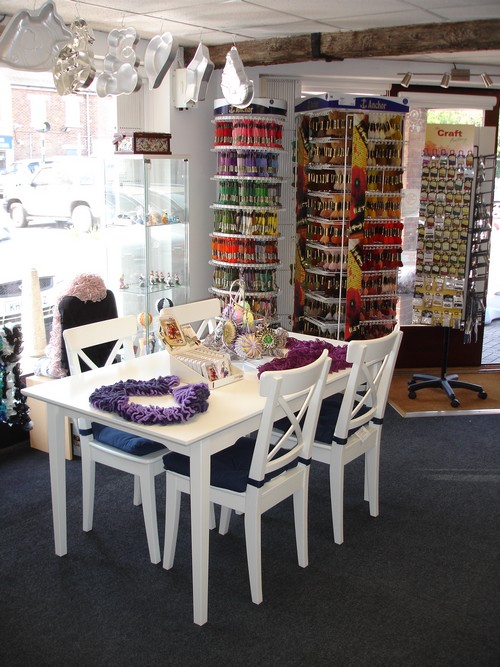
point(50, 130)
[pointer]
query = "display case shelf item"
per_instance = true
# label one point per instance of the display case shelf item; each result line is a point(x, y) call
point(146, 233)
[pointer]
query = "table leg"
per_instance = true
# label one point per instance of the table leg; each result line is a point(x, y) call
point(57, 463)
point(200, 503)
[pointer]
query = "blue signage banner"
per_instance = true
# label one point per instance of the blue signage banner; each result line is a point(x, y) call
point(5, 141)
point(321, 102)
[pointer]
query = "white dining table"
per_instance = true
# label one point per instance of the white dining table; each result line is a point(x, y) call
point(234, 410)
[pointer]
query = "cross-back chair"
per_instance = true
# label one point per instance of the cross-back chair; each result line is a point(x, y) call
point(253, 475)
point(205, 313)
point(350, 424)
point(103, 444)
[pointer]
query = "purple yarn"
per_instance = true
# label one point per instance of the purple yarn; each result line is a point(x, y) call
point(191, 400)
point(304, 352)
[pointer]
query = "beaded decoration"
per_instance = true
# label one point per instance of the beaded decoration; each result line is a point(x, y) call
point(191, 399)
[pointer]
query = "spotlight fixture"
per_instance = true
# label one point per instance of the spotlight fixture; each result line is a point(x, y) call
point(405, 82)
point(486, 80)
point(445, 81)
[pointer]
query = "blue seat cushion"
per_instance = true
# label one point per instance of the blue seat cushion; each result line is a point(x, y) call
point(229, 468)
point(132, 444)
point(327, 420)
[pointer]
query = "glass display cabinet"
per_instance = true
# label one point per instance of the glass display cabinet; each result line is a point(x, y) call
point(146, 228)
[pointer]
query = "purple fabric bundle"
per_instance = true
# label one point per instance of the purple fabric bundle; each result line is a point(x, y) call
point(301, 353)
point(191, 399)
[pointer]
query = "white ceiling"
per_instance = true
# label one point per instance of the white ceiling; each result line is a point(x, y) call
point(225, 21)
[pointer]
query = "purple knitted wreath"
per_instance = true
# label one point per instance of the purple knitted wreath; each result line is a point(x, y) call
point(191, 399)
point(303, 352)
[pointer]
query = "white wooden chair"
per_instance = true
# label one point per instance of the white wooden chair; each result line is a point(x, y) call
point(350, 424)
point(102, 444)
point(204, 313)
point(253, 475)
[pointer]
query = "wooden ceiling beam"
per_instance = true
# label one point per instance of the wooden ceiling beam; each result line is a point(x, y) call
point(405, 40)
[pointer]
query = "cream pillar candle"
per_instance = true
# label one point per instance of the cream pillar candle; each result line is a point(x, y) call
point(32, 322)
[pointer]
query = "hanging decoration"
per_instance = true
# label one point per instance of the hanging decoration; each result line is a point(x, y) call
point(32, 40)
point(240, 334)
point(237, 88)
point(159, 57)
point(198, 75)
point(120, 75)
point(75, 68)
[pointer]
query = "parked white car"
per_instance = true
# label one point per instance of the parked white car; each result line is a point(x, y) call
point(67, 189)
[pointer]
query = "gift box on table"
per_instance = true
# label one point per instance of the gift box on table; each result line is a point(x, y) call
point(152, 143)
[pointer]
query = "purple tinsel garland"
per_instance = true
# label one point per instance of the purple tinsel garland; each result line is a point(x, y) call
point(192, 399)
point(302, 352)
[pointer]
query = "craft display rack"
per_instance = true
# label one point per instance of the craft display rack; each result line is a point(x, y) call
point(245, 233)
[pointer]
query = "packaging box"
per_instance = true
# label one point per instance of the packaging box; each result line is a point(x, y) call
point(145, 143)
point(191, 360)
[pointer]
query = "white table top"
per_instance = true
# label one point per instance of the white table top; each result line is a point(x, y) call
point(229, 405)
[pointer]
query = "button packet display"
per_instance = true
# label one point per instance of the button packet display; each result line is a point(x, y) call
point(191, 359)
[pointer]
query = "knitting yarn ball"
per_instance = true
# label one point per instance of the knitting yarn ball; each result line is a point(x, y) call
point(247, 345)
point(144, 319)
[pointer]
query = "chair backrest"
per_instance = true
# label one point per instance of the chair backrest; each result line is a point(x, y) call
point(73, 312)
point(119, 332)
point(373, 363)
point(280, 388)
point(206, 312)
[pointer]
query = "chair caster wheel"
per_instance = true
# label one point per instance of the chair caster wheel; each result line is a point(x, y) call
point(483, 395)
point(410, 382)
point(412, 394)
point(455, 403)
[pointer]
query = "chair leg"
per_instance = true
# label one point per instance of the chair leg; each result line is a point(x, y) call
point(211, 519)
point(366, 487)
point(372, 467)
point(148, 495)
point(137, 490)
point(88, 485)
point(172, 512)
point(337, 492)
point(225, 518)
point(253, 545)
point(300, 499)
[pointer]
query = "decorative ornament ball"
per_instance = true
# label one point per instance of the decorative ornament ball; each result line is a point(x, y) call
point(247, 345)
point(228, 332)
point(144, 319)
point(240, 313)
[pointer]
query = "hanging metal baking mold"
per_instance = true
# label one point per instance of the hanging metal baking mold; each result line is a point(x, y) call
point(32, 40)
point(120, 75)
point(198, 75)
point(75, 68)
point(159, 57)
point(237, 88)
